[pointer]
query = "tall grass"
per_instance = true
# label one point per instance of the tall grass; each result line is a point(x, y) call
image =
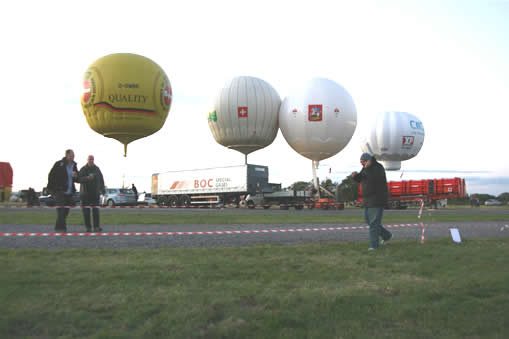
point(405, 290)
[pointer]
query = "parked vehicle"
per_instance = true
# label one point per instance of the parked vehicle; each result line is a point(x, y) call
point(210, 186)
point(434, 192)
point(6, 176)
point(146, 199)
point(492, 202)
point(245, 185)
point(117, 196)
point(49, 199)
point(15, 197)
point(284, 199)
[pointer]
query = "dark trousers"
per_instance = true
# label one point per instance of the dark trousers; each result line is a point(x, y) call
point(87, 200)
point(62, 199)
point(373, 217)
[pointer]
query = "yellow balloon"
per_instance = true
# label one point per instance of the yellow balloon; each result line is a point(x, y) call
point(125, 97)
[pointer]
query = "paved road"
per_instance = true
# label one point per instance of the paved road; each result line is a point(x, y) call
point(484, 210)
point(468, 230)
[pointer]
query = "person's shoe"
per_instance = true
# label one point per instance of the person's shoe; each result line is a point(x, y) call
point(371, 249)
point(88, 230)
point(383, 242)
point(98, 229)
point(60, 230)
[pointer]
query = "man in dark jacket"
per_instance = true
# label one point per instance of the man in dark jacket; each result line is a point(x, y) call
point(61, 181)
point(135, 192)
point(92, 185)
point(375, 195)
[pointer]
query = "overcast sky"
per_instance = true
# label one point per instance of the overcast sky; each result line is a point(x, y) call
point(447, 62)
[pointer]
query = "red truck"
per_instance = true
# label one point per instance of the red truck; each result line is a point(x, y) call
point(5, 181)
point(431, 191)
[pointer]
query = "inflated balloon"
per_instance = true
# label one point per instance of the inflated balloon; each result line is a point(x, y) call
point(394, 137)
point(125, 97)
point(245, 114)
point(319, 119)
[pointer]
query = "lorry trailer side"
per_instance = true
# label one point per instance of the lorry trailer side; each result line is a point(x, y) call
point(210, 186)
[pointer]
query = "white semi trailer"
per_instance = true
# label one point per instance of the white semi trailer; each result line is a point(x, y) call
point(245, 184)
point(220, 185)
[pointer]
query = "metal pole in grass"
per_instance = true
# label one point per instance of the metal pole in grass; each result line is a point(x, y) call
point(422, 224)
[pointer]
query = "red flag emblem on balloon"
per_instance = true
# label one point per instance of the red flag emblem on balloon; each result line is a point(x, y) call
point(167, 95)
point(242, 111)
point(86, 91)
point(315, 113)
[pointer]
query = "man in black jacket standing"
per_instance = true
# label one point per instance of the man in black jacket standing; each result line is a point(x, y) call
point(375, 194)
point(61, 179)
point(92, 185)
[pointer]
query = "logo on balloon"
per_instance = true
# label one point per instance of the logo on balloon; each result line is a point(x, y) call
point(407, 141)
point(416, 125)
point(242, 112)
point(167, 95)
point(89, 90)
point(86, 91)
point(212, 116)
point(315, 113)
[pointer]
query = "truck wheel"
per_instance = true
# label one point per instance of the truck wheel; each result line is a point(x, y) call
point(266, 207)
point(161, 201)
point(185, 201)
point(172, 201)
point(250, 204)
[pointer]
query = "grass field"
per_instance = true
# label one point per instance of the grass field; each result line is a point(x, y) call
point(47, 217)
point(406, 290)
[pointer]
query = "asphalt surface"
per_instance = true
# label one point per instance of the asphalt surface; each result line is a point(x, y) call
point(275, 210)
point(468, 230)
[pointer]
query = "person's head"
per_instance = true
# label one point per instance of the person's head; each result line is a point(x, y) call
point(90, 160)
point(69, 155)
point(366, 160)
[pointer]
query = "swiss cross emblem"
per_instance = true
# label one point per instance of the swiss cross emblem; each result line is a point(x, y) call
point(336, 110)
point(315, 113)
point(167, 95)
point(242, 112)
point(86, 91)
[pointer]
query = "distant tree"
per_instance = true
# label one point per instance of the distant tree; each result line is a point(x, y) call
point(301, 185)
point(329, 185)
point(504, 197)
point(349, 189)
point(482, 197)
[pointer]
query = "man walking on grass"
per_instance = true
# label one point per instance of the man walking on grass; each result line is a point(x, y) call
point(375, 195)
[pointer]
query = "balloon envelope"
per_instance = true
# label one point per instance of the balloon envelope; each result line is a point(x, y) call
point(244, 114)
point(394, 137)
point(125, 97)
point(318, 120)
